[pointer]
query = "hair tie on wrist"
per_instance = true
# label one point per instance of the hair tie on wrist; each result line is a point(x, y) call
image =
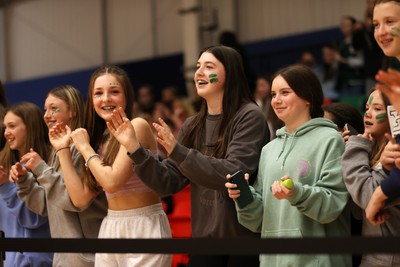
point(62, 149)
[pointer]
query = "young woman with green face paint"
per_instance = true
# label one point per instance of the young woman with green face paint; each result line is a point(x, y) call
point(386, 20)
point(363, 172)
point(375, 118)
point(227, 134)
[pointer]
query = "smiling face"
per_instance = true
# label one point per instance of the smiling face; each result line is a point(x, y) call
point(107, 95)
point(386, 20)
point(210, 77)
point(15, 132)
point(287, 105)
point(56, 110)
point(375, 118)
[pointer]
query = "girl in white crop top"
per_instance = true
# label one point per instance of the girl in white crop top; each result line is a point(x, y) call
point(134, 211)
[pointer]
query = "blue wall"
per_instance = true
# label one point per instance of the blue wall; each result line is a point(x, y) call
point(265, 57)
point(158, 72)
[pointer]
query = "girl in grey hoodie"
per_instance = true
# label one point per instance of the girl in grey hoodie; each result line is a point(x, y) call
point(43, 190)
point(363, 173)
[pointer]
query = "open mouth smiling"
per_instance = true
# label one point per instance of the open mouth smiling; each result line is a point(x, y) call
point(108, 108)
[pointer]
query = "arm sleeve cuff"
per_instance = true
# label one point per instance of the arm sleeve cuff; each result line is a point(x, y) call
point(138, 156)
point(391, 185)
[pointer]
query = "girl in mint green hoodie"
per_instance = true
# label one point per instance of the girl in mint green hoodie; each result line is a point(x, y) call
point(308, 150)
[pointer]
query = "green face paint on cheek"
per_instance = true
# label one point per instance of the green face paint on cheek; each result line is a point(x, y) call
point(381, 118)
point(213, 78)
point(394, 32)
point(56, 111)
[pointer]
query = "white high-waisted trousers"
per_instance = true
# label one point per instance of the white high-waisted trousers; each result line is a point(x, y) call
point(146, 222)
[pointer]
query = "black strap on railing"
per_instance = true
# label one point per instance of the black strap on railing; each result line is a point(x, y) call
point(2, 252)
point(239, 246)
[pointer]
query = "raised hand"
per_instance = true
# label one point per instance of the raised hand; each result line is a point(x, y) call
point(81, 139)
point(31, 159)
point(122, 129)
point(16, 170)
point(165, 136)
point(390, 86)
point(60, 136)
point(390, 153)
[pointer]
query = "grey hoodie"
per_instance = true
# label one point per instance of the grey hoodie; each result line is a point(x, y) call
point(213, 212)
point(361, 181)
point(44, 192)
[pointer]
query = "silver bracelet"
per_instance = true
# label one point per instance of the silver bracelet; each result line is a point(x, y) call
point(89, 158)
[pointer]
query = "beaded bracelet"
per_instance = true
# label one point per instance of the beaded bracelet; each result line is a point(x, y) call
point(65, 147)
point(89, 158)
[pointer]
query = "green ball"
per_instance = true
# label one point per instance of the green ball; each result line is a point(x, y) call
point(288, 183)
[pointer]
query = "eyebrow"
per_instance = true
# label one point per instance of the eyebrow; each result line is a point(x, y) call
point(283, 88)
point(207, 62)
point(378, 104)
point(111, 86)
point(385, 17)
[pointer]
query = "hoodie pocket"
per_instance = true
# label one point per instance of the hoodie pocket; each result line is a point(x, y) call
point(287, 259)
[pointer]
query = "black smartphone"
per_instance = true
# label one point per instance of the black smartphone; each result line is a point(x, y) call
point(348, 127)
point(246, 197)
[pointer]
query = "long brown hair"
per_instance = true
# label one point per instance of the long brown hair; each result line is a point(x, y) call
point(36, 134)
point(236, 94)
point(97, 127)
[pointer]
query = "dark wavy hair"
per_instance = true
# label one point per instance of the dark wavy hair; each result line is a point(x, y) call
point(236, 94)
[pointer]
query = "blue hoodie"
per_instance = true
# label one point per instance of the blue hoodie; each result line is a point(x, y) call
point(391, 185)
point(17, 221)
point(311, 156)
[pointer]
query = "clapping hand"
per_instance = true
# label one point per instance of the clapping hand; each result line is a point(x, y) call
point(122, 129)
point(60, 136)
point(31, 159)
point(390, 86)
point(16, 171)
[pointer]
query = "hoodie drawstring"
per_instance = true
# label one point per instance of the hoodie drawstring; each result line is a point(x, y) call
point(289, 150)
point(283, 147)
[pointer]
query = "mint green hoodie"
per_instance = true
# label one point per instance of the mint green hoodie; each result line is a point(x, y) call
point(311, 156)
